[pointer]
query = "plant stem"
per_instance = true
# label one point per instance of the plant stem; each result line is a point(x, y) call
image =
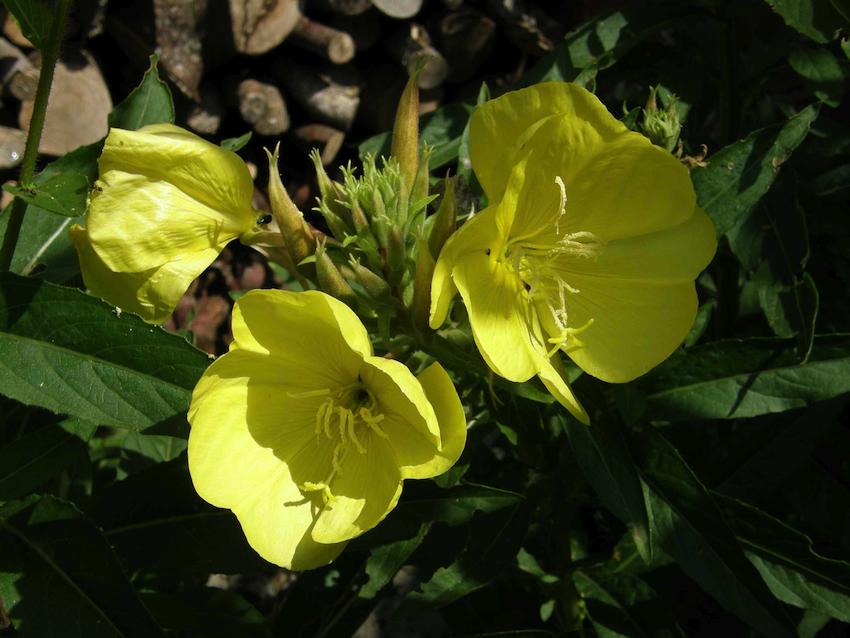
point(49, 56)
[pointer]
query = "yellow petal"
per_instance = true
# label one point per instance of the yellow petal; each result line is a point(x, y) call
point(477, 235)
point(136, 223)
point(552, 375)
point(442, 394)
point(364, 492)
point(400, 397)
point(311, 329)
point(151, 294)
point(245, 433)
point(500, 127)
point(635, 324)
point(205, 172)
point(499, 315)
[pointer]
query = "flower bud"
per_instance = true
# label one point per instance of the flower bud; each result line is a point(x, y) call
point(444, 220)
point(330, 197)
point(374, 286)
point(420, 307)
point(396, 256)
point(405, 145)
point(297, 236)
point(330, 279)
point(661, 125)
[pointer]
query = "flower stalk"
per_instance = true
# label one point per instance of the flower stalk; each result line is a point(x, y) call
point(49, 57)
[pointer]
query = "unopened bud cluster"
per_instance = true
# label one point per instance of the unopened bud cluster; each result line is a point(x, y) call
point(380, 252)
point(661, 123)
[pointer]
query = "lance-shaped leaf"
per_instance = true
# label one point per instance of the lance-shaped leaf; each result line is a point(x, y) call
point(745, 378)
point(70, 353)
point(739, 175)
point(58, 574)
point(690, 527)
point(784, 557)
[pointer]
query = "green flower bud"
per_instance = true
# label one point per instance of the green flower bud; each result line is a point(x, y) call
point(330, 279)
point(296, 232)
point(661, 125)
point(375, 287)
point(405, 145)
point(420, 308)
point(444, 221)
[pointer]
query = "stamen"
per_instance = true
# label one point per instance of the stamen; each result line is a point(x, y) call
point(566, 334)
point(562, 207)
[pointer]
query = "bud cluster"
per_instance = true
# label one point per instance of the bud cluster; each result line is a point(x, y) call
point(380, 254)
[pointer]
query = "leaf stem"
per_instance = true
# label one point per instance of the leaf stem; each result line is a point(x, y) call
point(49, 56)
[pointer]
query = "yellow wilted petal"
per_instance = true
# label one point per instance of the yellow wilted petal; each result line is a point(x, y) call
point(136, 224)
point(213, 176)
point(151, 294)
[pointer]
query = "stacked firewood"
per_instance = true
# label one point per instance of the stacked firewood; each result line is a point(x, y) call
point(317, 73)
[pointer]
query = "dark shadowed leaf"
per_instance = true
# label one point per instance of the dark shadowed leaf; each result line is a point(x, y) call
point(57, 571)
point(784, 557)
point(386, 560)
point(816, 19)
point(30, 461)
point(744, 378)
point(690, 527)
point(207, 612)
point(739, 175)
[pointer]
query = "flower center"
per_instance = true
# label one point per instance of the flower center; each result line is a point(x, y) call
point(541, 259)
point(346, 417)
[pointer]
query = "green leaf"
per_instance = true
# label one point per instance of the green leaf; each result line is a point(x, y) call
point(690, 527)
point(607, 602)
point(155, 520)
point(795, 573)
point(148, 103)
point(457, 505)
point(816, 19)
point(60, 194)
point(386, 560)
point(44, 246)
point(792, 311)
point(790, 445)
point(739, 175)
point(57, 571)
point(822, 70)
point(32, 460)
point(236, 143)
point(492, 547)
point(604, 458)
point(65, 351)
point(599, 43)
point(207, 612)
point(745, 378)
point(33, 17)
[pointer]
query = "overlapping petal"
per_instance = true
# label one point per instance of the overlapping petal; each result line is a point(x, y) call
point(594, 242)
point(305, 435)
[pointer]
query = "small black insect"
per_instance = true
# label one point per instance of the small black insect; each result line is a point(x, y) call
point(264, 219)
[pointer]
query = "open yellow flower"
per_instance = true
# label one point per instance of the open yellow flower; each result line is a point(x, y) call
point(306, 435)
point(590, 244)
point(165, 205)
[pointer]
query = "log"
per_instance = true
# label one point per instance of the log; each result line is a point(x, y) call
point(12, 143)
point(364, 29)
point(18, 75)
point(410, 47)
point(531, 30)
point(205, 115)
point(401, 9)
point(325, 138)
point(178, 39)
point(333, 45)
point(12, 31)
point(260, 25)
point(467, 39)
point(331, 95)
point(263, 107)
point(78, 107)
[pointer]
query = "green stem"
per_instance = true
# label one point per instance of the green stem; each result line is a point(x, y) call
point(49, 56)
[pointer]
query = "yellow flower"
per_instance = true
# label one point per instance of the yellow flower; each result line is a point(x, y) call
point(306, 435)
point(590, 244)
point(165, 205)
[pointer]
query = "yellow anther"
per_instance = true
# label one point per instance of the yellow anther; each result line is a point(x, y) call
point(309, 393)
